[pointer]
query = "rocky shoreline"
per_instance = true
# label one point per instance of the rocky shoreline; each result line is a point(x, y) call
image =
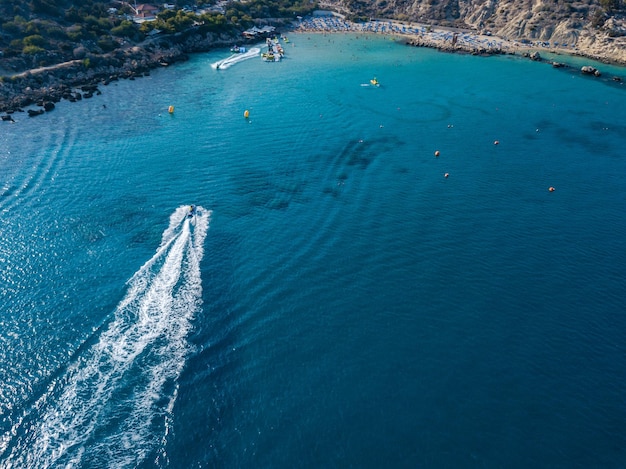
point(73, 81)
point(81, 78)
point(533, 55)
point(460, 41)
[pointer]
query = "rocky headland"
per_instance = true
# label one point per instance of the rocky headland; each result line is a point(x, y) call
point(81, 77)
point(595, 29)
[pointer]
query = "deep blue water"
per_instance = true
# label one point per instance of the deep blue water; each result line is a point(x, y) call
point(336, 301)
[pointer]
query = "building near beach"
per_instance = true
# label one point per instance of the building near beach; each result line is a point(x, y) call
point(265, 31)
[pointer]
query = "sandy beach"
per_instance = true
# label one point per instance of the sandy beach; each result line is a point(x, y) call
point(139, 60)
point(446, 39)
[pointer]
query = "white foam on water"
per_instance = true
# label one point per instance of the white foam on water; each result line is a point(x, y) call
point(112, 397)
point(236, 58)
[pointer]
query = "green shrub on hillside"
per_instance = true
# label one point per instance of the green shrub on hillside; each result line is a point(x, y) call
point(34, 40)
point(124, 29)
point(32, 50)
point(173, 21)
point(47, 7)
point(107, 44)
point(75, 33)
point(11, 27)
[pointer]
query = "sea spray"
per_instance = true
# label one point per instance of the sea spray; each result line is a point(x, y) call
point(117, 385)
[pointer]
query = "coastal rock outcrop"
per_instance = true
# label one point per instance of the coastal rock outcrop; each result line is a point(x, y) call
point(54, 83)
point(58, 81)
point(593, 28)
point(589, 70)
point(589, 29)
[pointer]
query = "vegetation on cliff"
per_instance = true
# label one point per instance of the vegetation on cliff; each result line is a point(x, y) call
point(47, 46)
point(595, 23)
point(40, 33)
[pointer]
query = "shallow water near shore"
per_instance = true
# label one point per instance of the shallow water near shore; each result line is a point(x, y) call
point(336, 300)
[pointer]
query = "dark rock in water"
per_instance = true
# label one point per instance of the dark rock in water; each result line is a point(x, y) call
point(88, 95)
point(48, 106)
point(7, 118)
point(89, 88)
point(35, 112)
point(617, 79)
point(557, 64)
point(72, 81)
point(589, 70)
point(535, 56)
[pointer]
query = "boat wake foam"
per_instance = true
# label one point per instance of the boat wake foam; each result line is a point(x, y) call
point(236, 58)
point(119, 391)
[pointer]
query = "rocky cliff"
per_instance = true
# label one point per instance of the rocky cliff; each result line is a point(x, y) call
point(597, 28)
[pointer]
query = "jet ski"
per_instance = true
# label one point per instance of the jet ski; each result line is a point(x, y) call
point(192, 211)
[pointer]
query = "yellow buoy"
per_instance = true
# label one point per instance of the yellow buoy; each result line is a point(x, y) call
point(170, 109)
point(246, 113)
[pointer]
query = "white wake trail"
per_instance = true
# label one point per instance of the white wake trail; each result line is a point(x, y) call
point(108, 403)
point(236, 58)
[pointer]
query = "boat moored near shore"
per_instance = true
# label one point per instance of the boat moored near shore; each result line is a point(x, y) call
point(275, 51)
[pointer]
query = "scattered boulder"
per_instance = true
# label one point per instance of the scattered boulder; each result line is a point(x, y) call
point(48, 106)
point(89, 88)
point(589, 70)
point(536, 56)
point(79, 52)
point(35, 112)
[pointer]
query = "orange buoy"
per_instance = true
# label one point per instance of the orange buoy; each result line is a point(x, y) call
point(246, 113)
point(170, 109)
point(446, 175)
point(551, 189)
point(437, 153)
point(496, 142)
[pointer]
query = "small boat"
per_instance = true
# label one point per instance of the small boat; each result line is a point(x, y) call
point(274, 51)
point(374, 82)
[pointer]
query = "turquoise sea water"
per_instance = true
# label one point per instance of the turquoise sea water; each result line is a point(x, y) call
point(336, 301)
